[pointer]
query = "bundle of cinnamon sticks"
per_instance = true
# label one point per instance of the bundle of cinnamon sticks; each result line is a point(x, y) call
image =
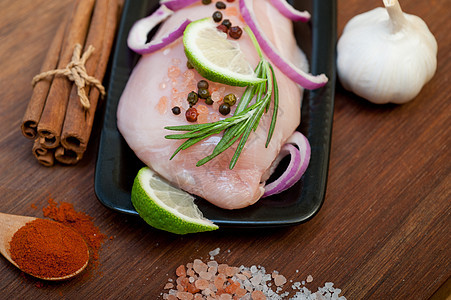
point(60, 113)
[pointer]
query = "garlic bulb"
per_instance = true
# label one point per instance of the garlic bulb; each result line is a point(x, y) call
point(385, 55)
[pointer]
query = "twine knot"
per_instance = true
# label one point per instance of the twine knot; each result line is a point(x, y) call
point(76, 71)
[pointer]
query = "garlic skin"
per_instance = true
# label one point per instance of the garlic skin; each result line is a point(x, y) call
point(385, 55)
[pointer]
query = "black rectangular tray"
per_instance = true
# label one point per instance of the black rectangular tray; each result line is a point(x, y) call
point(117, 166)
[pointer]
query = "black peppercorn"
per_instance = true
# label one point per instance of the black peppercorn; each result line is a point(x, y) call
point(217, 16)
point(176, 110)
point(226, 23)
point(189, 65)
point(192, 98)
point(206, 2)
point(209, 101)
point(224, 109)
point(203, 93)
point(202, 84)
point(220, 5)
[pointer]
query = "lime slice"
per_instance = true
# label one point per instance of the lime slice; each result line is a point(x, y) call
point(165, 207)
point(215, 57)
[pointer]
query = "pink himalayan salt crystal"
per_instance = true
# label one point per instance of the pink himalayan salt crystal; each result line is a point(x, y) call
point(202, 109)
point(219, 281)
point(205, 275)
point(199, 266)
point(176, 61)
point(279, 280)
point(309, 278)
point(240, 292)
point(258, 295)
point(188, 74)
point(225, 297)
point(230, 271)
point(202, 118)
point(176, 102)
point(173, 72)
point(214, 117)
point(185, 296)
point(162, 105)
point(168, 286)
point(216, 97)
point(202, 284)
point(190, 272)
point(222, 268)
point(162, 85)
point(198, 297)
point(172, 297)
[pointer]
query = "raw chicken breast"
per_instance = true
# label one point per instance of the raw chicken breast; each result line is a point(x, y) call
point(161, 81)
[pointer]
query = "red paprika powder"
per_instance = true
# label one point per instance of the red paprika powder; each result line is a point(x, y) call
point(48, 249)
point(79, 221)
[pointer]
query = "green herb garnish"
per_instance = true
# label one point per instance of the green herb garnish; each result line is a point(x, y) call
point(245, 119)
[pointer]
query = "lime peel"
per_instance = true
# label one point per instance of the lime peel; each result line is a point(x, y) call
point(215, 57)
point(165, 207)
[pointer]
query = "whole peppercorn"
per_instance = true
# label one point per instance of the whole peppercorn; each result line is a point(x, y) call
point(192, 98)
point(208, 100)
point(222, 28)
point(217, 16)
point(226, 23)
point(189, 65)
point(202, 84)
point(235, 32)
point(203, 93)
point(191, 114)
point(206, 2)
point(230, 99)
point(176, 110)
point(220, 5)
point(224, 109)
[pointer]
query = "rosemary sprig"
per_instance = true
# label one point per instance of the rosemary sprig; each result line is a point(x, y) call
point(245, 119)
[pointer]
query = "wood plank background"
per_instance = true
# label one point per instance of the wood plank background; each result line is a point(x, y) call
point(382, 233)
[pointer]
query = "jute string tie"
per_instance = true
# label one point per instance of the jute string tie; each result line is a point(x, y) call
point(76, 71)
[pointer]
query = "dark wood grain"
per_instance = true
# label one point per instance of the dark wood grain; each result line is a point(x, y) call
point(382, 233)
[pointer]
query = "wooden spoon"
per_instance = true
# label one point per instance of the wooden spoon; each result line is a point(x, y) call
point(9, 225)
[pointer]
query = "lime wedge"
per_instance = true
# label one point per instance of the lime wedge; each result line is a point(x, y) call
point(215, 57)
point(165, 207)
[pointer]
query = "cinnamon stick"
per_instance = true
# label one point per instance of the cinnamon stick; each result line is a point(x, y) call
point(51, 122)
point(43, 155)
point(79, 120)
point(67, 156)
point(33, 113)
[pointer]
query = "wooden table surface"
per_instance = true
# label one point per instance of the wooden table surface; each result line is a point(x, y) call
point(382, 233)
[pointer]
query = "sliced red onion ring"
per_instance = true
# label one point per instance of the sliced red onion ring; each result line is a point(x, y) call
point(300, 158)
point(138, 34)
point(177, 4)
point(290, 12)
point(304, 79)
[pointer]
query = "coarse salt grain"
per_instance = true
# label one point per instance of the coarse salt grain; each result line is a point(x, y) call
point(222, 281)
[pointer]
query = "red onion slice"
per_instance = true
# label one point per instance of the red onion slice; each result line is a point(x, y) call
point(138, 34)
point(290, 12)
point(304, 79)
point(300, 158)
point(177, 4)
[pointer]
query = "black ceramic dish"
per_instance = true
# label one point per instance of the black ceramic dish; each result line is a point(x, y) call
point(117, 165)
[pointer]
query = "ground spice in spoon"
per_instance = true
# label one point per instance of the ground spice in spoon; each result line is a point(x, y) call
point(48, 249)
point(65, 213)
